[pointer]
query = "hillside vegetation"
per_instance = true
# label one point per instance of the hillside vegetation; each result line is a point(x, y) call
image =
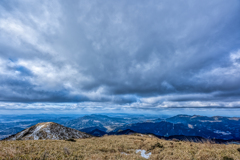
point(117, 147)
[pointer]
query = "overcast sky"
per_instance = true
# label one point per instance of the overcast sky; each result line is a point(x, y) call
point(119, 55)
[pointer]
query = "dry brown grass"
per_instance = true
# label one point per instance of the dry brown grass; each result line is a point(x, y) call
point(112, 147)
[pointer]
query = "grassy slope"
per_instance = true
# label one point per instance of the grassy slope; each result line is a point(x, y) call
point(111, 147)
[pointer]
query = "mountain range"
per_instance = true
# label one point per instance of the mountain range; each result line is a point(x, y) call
point(102, 122)
point(222, 128)
point(225, 128)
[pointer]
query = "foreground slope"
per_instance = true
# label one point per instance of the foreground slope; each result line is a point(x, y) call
point(117, 147)
point(48, 130)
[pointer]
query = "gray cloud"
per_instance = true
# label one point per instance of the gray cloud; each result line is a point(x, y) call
point(147, 54)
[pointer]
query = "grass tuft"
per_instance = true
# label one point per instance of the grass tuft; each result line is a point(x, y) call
point(71, 140)
point(227, 158)
point(157, 145)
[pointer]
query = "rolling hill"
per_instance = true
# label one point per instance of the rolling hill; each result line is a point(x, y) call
point(48, 130)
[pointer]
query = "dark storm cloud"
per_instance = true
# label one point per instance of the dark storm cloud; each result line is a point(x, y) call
point(146, 54)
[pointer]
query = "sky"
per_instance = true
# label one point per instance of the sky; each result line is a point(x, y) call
point(119, 56)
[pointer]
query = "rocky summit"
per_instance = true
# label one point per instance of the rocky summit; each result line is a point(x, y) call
point(48, 130)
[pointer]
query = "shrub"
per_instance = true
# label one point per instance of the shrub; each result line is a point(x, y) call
point(71, 140)
point(227, 158)
point(107, 150)
point(157, 145)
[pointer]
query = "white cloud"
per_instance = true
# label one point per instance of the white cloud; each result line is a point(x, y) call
point(151, 54)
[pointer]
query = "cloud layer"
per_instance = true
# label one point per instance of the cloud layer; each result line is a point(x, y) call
point(123, 54)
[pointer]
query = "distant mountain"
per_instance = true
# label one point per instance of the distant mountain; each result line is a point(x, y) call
point(97, 133)
point(157, 120)
point(159, 128)
point(101, 121)
point(106, 123)
point(196, 119)
point(209, 130)
point(48, 130)
point(90, 129)
point(215, 127)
